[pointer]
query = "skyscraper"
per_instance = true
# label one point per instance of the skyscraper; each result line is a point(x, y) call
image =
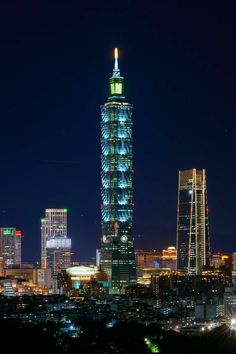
point(117, 243)
point(192, 222)
point(10, 246)
point(55, 244)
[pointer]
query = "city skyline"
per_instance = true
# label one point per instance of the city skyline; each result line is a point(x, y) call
point(179, 65)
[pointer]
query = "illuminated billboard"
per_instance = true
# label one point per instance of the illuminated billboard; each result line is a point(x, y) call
point(58, 243)
point(8, 231)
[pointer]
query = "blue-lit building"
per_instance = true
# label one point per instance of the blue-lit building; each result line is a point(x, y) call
point(117, 243)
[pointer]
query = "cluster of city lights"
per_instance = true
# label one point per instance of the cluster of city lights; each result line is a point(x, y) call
point(233, 324)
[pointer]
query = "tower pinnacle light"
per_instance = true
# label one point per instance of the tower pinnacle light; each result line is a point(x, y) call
point(116, 70)
point(116, 56)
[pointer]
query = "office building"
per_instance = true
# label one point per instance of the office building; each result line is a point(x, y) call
point(55, 243)
point(117, 243)
point(169, 257)
point(209, 284)
point(217, 260)
point(148, 258)
point(229, 302)
point(10, 247)
point(234, 269)
point(192, 222)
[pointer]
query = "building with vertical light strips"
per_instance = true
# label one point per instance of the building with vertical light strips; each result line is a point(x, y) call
point(55, 243)
point(193, 247)
point(117, 243)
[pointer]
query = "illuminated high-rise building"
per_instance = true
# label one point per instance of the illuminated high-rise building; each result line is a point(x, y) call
point(192, 222)
point(10, 246)
point(55, 243)
point(117, 243)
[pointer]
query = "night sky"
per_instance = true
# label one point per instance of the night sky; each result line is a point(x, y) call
point(179, 64)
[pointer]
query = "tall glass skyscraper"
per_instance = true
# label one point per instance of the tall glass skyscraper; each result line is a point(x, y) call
point(55, 244)
point(117, 243)
point(193, 246)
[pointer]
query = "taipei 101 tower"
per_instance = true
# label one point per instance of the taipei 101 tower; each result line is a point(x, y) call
point(117, 243)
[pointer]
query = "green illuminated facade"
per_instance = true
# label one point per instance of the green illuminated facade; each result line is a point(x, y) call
point(117, 243)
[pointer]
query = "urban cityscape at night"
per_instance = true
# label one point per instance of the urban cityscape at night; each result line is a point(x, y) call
point(118, 169)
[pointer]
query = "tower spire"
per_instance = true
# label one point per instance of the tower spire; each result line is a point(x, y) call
point(116, 59)
point(116, 70)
